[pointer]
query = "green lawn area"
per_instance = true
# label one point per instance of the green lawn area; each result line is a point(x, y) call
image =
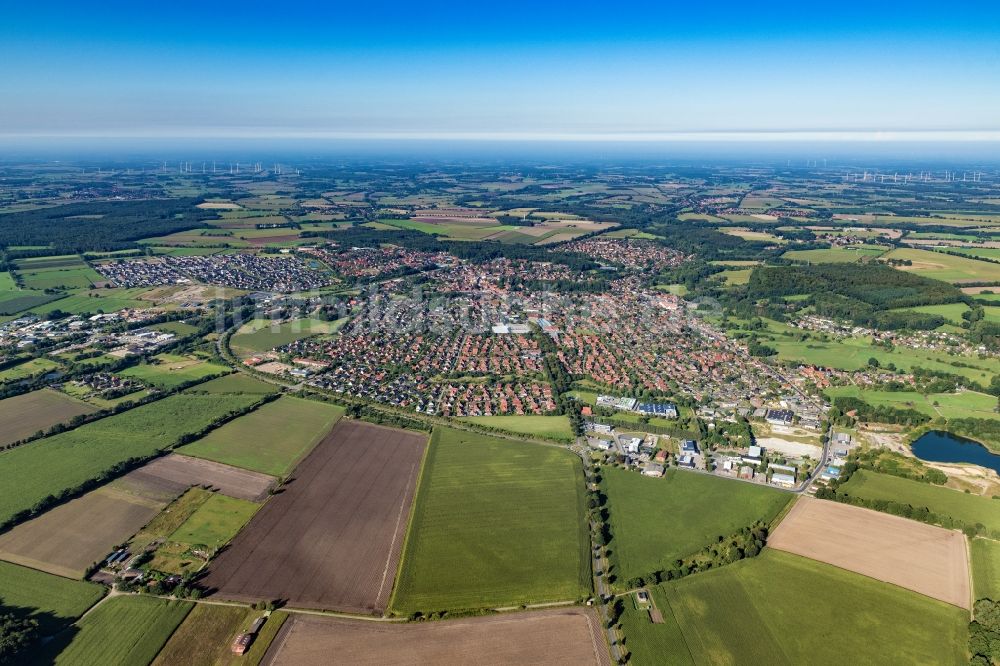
point(168, 371)
point(964, 404)
point(946, 267)
point(236, 382)
point(178, 328)
point(260, 335)
point(495, 523)
point(123, 631)
point(985, 568)
point(54, 601)
point(834, 255)
point(60, 463)
point(556, 427)
point(970, 509)
point(780, 608)
point(215, 522)
point(656, 521)
point(271, 439)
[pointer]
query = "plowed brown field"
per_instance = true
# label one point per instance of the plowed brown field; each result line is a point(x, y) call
point(568, 636)
point(926, 559)
point(331, 538)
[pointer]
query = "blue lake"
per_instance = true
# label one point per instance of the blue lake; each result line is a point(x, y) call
point(938, 446)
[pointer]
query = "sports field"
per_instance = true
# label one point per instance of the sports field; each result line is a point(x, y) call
point(985, 568)
point(206, 635)
point(54, 465)
point(554, 427)
point(946, 267)
point(656, 521)
point(926, 559)
point(168, 371)
point(54, 601)
point(271, 439)
point(495, 523)
point(970, 509)
point(24, 415)
point(779, 608)
point(123, 631)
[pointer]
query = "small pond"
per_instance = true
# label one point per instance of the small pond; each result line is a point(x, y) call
point(939, 446)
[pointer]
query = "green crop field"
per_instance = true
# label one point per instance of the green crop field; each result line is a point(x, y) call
point(946, 267)
point(986, 568)
point(780, 608)
point(271, 439)
point(83, 277)
point(260, 336)
point(121, 631)
point(168, 371)
point(495, 523)
point(656, 521)
point(834, 255)
point(556, 427)
point(964, 404)
point(970, 509)
point(52, 600)
point(236, 382)
point(62, 462)
point(215, 522)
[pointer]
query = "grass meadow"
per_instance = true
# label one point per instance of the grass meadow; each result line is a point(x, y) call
point(62, 462)
point(985, 568)
point(780, 608)
point(168, 371)
point(554, 427)
point(495, 523)
point(271, 439)
point(205, 635)
point(946, 267)
point(968, 508)
point(656, 521)
point(835, 255)
point(964, 404)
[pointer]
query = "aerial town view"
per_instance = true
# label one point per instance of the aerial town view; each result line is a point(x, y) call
point(413, 345)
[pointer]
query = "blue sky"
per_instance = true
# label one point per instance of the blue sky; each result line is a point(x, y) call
point(565, 70)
